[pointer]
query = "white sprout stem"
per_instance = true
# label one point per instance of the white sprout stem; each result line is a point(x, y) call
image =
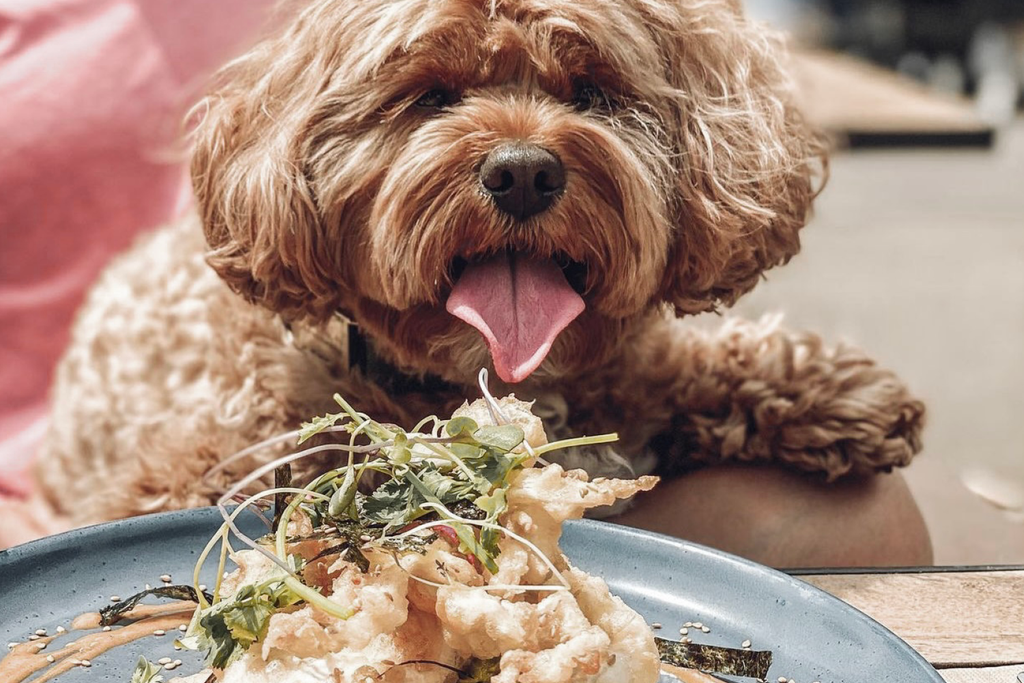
point(495, 409)
point(225, 548)
point(308, 594)
point(418, 429)
point(447, 455)
point(229, 522)
point(440, 509)
point(284, 460)
point(577, 441)
point(201, 599)
point(266, 443)
point(492, 405)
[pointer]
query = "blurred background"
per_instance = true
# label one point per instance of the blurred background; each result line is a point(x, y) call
point(916, 251)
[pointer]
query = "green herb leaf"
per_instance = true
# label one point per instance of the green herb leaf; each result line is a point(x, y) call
point(146, 672)
point(494, 505)
point(461, 427)
point(495, 468)
point(343, 502)
point(445, 488)
point(503, 437)
point(389, 504)
point(469, 544)
point(228, 628)
point(319, 424)
point(400, 453)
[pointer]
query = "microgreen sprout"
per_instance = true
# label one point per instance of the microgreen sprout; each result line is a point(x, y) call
point(446, 476)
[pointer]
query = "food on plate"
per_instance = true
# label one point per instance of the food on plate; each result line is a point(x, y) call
point(432, 555)
point(447, 569)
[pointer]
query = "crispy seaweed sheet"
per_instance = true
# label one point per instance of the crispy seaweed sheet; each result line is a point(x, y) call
point(114, 613)
point(712, 659)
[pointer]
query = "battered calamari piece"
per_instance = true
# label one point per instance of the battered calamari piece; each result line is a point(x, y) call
point(430, 616)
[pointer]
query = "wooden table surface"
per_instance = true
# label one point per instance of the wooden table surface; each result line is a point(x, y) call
point(861, 104)
point(968, 622)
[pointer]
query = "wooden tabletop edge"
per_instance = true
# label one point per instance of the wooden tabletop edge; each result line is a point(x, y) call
point(872, 571)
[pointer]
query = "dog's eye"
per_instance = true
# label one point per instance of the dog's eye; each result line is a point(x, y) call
point(588, 96)
point(435, 99)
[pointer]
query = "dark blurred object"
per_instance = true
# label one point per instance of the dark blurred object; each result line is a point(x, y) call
point(907, 72)
point(972, 47)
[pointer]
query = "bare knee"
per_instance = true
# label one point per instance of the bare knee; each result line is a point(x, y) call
point(786, 519)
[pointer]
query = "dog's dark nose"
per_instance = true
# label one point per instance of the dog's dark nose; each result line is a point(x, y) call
point(522, 179)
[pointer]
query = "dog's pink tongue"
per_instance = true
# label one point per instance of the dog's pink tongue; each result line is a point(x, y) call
point(519, 305)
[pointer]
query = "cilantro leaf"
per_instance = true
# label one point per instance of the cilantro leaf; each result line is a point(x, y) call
point(389, 504)
point(444, 487)
point(228, 628)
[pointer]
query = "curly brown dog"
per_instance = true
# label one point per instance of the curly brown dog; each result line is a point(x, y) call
point(397, 193)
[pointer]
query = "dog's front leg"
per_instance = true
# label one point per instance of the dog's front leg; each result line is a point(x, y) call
point(755, 392)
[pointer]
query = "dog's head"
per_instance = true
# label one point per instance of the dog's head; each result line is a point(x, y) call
point(545, 171)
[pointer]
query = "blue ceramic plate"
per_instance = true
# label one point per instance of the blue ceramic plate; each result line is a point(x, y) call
point(814, 637)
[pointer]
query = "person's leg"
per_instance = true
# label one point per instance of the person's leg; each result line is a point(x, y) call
point(785, 519)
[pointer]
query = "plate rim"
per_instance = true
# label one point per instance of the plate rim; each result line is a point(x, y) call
point(47, 545)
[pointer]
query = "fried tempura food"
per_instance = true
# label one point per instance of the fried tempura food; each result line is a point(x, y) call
point(435, 616)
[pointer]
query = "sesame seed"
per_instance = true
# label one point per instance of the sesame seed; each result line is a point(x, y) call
point(697, 624)
point(85, 663)
point(202, 586)
point(11, 646)
point(656, 625)
point(33, 637)
point(41, 632)
point(782, 679)
point(164, 660)
point(745, 643)
point(61, 629)
point(687, 640)
point(166, 578)
point(148, 587)
point(177, 647)
point(106, 628)
point(159, 632)
point(115, 598)
point(688, 624)
point(705, 629)
point(50, 659)
point(365, 539)
point(183, 627)
point(683, 631)
point(41, 646)
point(170, 666)
point(177, 662)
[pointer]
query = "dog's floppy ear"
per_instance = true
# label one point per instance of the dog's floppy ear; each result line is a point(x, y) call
point(747, 159)
point(267, 235)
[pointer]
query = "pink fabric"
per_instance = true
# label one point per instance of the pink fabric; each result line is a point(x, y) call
point(92, 93)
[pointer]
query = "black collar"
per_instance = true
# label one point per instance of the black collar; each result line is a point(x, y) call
point(363, 357)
